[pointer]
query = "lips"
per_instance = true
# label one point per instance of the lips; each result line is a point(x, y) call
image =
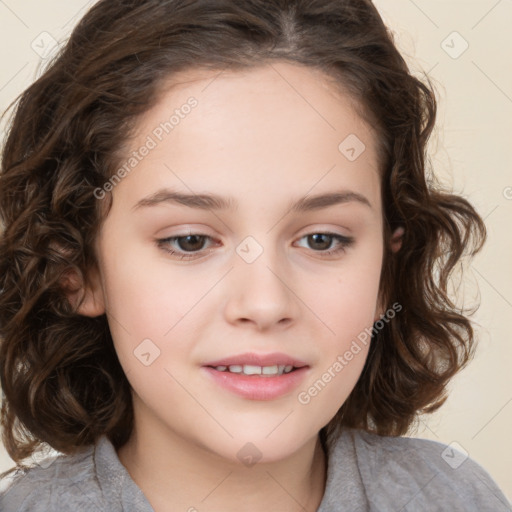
point(257, 387)
point(280, 374)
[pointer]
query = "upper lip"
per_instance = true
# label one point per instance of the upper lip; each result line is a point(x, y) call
point(251, 358)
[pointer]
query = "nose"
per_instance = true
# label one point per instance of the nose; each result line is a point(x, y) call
point(261, 292)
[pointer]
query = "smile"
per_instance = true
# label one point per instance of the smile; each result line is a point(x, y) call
point(266, 371)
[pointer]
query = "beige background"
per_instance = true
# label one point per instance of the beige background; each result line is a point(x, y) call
point(471, 152)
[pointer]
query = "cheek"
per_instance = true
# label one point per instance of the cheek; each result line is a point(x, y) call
point(347, 302)
point(146, 297)
point(151, 319)
point(321, 398)
point(347, 308)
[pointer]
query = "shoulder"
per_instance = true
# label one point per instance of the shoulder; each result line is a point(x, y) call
point(63, 480)
point(421, 474)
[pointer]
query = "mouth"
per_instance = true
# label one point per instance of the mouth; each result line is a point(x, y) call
point(258, 377)
point(254, 370)
point(265, 365)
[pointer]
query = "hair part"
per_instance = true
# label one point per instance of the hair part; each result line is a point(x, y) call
point(61, 380)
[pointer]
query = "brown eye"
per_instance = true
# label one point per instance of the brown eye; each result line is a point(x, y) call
point(185, 246)
point(190, 242)
point(322, 243)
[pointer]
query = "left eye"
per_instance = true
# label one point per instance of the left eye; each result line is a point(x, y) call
point(188, 246)
point(326, 239)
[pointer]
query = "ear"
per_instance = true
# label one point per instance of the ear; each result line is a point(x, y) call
point(396, 239)
point(396, 244)
point(93, 303)
point(378, 313)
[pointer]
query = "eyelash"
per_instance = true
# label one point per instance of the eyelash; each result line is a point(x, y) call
point(344, 241)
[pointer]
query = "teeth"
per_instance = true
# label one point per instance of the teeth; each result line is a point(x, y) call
point(252, 370)
point(270, 370)
point(249, 369)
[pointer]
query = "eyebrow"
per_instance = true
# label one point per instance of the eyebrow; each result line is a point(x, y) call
point(216, 202)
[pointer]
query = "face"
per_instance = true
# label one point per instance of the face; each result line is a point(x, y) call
point(188, 285)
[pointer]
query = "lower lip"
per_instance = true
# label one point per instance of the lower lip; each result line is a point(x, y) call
point(255, 387)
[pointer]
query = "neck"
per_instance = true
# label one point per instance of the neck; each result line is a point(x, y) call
point(174, 475)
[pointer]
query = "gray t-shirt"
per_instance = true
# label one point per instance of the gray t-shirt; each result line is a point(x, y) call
point(366, 472)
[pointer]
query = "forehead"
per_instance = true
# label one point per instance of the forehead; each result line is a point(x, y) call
point(273, 90)
point(279, 123)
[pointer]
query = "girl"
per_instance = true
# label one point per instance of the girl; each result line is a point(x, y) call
point(275, 363)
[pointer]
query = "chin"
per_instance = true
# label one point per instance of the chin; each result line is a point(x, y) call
point(260, 448)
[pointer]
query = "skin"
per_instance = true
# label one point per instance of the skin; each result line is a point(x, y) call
point(291, 299)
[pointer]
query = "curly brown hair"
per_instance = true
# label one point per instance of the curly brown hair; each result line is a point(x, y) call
point(61, 379)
